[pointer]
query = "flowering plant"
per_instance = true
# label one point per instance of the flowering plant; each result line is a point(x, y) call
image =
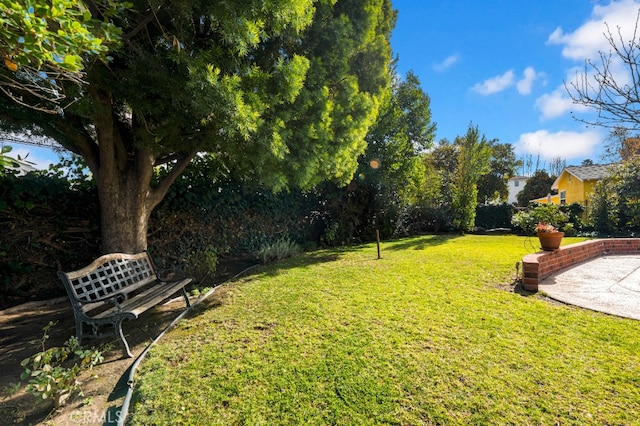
point(544, 228)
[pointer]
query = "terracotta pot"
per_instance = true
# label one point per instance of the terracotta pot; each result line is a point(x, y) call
point(550, 240)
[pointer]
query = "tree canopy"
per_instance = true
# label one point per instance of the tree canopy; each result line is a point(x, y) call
point(281, 90)
point(44, 43)
point(396, 141)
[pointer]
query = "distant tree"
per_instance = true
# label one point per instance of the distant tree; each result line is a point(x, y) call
point(538, 186)
point(474, 156)
point(529, 164)
point(621, 145)
point(494, 185)
point(441, 165)
point(280, 91)
point(587, 162)
point(556, 166)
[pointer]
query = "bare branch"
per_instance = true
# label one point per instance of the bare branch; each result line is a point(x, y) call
point(599, 87)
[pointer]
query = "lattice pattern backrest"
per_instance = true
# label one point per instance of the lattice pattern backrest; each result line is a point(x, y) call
point(111, 277)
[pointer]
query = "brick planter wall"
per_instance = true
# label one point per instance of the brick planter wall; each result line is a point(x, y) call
point(538, 266)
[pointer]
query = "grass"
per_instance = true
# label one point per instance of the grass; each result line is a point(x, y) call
point(425, 335)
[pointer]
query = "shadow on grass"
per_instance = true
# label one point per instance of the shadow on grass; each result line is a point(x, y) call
point(519, 289)
point(421, 243)
point(255, 270)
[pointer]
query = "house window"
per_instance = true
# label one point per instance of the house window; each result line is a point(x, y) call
point(563, 197)
point(516, 183)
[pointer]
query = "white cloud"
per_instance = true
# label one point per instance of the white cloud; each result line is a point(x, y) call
point(530, 76)
point(563, 144)
point(495, 84)
point(447, 63)
point(556, 104)
point(586, 41)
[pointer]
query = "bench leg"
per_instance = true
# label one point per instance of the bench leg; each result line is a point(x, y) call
point(79, 333)
point(186, 297)
point(126, 353)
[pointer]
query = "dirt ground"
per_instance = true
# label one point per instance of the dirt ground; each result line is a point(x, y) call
point(104, 388)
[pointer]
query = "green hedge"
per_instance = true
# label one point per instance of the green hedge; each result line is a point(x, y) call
point(494, 216)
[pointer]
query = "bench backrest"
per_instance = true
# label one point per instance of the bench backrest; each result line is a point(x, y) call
point(108, 275)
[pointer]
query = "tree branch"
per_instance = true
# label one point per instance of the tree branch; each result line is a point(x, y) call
point(163, 186)
point(599, 87)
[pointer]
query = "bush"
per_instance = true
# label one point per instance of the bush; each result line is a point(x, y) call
point(202, 263)
point(526, 221)
point(614, 203)
point(415, 220)
point(281, 249)
point(494, 216)
point(48, 223)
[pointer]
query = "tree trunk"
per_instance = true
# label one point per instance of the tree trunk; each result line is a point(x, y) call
point(124, 215)
point(124, 175)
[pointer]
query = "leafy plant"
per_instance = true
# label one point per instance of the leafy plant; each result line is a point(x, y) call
point(281, 249)
point(203, 262)
point(50, 372)
point(551, 214)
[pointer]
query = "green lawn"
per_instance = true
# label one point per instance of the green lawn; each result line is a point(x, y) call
point(426, 335)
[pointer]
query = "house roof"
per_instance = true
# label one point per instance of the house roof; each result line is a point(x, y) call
point(594, 172)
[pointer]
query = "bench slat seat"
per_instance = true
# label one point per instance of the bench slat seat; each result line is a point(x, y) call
point(142, 302)
point(116, 287)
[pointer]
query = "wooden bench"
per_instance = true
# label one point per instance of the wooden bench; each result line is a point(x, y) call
point(116, 287)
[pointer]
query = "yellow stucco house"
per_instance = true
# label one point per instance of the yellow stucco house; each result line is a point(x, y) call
point(574, 184)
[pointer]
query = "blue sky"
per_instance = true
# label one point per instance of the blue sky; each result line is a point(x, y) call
point(501, 65)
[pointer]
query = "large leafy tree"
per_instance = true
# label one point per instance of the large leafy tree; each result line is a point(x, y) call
point(441, 166)
point(282, 90)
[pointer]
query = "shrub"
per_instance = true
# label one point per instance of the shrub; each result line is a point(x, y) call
point(414, 220)
point(281, 249)
point(202, 262)
point(494, 216)
point(614, 203)
point(527, 220)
